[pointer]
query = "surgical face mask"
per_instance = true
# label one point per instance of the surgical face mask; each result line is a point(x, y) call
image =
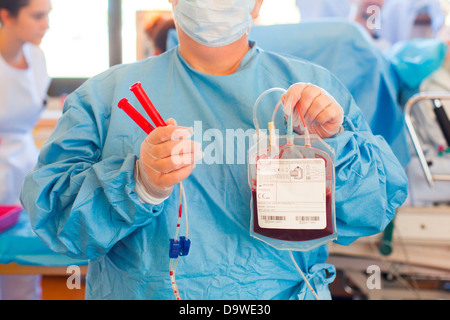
point(214, 23)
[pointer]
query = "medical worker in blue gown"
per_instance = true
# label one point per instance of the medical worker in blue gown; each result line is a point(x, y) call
point(106, 191)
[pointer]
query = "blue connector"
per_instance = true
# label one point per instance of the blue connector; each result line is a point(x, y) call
point(185, 246)
point(179, 248)
point(174, 250)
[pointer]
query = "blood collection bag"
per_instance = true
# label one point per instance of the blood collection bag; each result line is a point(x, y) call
point(292, 182)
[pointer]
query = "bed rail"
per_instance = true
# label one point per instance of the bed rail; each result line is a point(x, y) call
point(414, 102)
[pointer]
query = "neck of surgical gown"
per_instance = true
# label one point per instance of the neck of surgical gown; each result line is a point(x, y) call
point(84, 184)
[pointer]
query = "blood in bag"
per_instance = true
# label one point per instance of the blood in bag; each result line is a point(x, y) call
point(292, 234)
point(290, 221)
point(292, 183)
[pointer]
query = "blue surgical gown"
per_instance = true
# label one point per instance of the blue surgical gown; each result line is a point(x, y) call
point(82, 203)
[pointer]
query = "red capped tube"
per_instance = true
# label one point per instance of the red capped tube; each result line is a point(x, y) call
point(136, 116)
point(147, 104)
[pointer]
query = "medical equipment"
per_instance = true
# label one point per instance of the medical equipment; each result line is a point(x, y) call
point(292, 183)
point(442, 119)
point(9, 216)
point(179, 246)
point(413, 102)
point(414, 249)
point(147, 104)
point(136, 116)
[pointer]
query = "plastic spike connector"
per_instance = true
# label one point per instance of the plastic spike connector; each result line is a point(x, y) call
point(174, 251)
point(185, 246)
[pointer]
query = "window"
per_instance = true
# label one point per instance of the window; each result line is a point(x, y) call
point(279, 12)
point(76, 45)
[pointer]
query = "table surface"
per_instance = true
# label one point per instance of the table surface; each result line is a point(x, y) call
point(21, 247)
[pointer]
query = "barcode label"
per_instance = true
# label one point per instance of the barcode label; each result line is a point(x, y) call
point(307, 218)
point(291, 194)
point(298, 219)
point(273, 218)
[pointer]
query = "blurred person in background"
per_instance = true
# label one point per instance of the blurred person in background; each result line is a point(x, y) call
point(387, 21)
point(23, 93)
point(157, 32)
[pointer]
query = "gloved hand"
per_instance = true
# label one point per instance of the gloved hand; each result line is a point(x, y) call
point(168, 156)
point(322, 114)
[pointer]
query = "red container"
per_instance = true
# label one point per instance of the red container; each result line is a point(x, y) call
point(9, 216)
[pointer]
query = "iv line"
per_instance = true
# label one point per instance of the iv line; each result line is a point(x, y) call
point(303, 276)
point(174, 262)
point(290, 134)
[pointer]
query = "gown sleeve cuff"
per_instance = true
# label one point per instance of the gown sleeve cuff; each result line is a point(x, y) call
point(143, 195)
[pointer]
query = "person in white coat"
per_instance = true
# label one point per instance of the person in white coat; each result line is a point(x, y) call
point(23, 92)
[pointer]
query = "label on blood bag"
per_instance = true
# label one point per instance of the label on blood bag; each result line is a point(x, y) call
point(291, 194)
